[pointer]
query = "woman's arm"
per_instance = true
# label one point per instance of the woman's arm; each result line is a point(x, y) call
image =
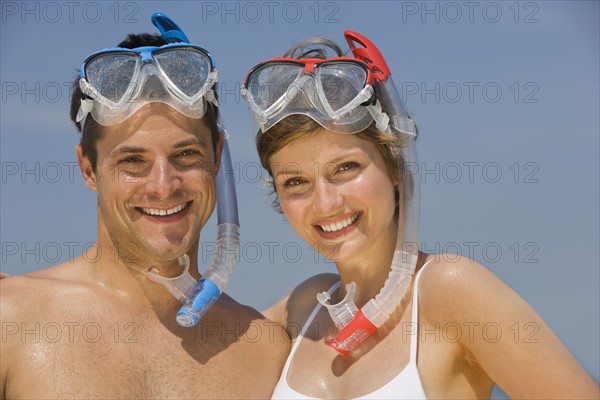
point(277, 312)
point(509, 340)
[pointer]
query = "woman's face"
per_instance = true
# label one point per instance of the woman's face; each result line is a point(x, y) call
point(336, 192)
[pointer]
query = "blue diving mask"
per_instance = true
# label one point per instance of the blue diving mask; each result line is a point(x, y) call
point(119, 81)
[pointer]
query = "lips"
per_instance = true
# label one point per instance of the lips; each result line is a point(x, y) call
point(162, 212)
point(339, 225)
point(165, 214)
point(339, 228)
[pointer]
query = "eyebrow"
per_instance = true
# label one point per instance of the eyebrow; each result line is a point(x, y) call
point(285, 172)
point(336, 160)
point(130, 149)
point(185, 143)
point(191, 142)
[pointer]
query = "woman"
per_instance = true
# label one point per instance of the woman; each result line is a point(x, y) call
point(338, 144)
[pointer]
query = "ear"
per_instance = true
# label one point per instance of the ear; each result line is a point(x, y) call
point(219, 153)
point(87, 172)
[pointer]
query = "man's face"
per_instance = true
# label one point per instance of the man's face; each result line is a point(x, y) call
point(155, 180)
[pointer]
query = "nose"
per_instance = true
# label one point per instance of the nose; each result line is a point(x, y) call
point(163, 180)
point(327, 197)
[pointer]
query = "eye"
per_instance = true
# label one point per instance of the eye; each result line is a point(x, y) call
point(188, 153)
point(130, 164)
point(130, 160)
point(191, 157)
point(293, 182)
point(348, 166)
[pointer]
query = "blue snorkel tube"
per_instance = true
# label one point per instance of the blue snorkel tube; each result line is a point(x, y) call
point(214, 280)
point(198, 297)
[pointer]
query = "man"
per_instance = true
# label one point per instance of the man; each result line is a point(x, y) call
point(97, 326)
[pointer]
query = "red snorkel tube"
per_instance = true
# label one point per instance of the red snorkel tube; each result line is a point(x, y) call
point(357, 325)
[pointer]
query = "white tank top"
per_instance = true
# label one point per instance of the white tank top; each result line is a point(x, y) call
point(406, 385)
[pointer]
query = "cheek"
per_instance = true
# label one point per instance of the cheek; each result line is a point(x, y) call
point(363, 185)
point(374, 189)
point(293, 210)
point(200, 183)
point(117, 188)
point(289, 207)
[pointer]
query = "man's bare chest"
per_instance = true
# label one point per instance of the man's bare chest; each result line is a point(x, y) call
point(120, 359)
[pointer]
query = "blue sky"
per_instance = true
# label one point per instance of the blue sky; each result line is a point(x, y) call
point(506, 95)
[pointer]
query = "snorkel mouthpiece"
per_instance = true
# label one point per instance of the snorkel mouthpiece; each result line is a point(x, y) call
point(347, 318)
point(181, 286)
point(342, 312)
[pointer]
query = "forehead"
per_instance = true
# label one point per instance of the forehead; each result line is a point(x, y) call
point(322, 146)
point(155, 125)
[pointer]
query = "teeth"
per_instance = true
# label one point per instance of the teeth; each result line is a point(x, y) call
point(155, 211)
point(340, 224)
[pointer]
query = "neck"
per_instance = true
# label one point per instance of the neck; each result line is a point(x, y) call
point(370, 270)
point(123, 269)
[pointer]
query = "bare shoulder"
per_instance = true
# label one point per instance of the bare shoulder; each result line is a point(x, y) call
point(252, 323)
point(258, 338)
point(461, 287)
point(452, 269)
point(306, 291)
point(39, 295)
point(295, 307)
point(20, 292)
point(27, 302)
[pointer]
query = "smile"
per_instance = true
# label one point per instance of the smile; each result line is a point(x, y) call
point(171, 211)
point(340, 224)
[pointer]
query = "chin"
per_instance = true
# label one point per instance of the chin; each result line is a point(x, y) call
point(166, 251)
point(341, 252)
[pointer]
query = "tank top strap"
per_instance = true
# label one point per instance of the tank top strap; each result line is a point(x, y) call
point(309, 321)
point(414, 339)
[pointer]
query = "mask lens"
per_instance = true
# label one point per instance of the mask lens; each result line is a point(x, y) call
point(269, 83)
point(187, 68)
point(341, 82)
point(111, 74)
